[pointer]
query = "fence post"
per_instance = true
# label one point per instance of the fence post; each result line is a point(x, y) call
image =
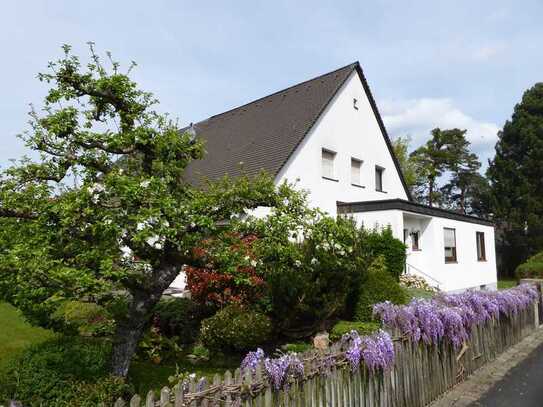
point(536, 313)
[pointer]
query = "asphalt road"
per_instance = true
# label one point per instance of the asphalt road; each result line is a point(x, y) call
point(522, 386)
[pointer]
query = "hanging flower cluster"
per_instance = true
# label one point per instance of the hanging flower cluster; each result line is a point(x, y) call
point(452, 316)
point(376, 351)
point(278, 370)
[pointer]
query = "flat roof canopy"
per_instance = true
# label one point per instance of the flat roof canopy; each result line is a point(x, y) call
point(407, 206)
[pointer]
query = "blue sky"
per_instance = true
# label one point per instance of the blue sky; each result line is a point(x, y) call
point(429, 63)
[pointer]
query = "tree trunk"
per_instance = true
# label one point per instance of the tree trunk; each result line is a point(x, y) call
point(130, 329)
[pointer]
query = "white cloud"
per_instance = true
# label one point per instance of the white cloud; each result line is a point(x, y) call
point(417, 117)
point(486, 52)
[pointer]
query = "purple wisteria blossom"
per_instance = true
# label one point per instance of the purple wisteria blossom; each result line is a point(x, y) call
point(280, 369)
point(252, 359)
point(376, 351)
point(452, 316)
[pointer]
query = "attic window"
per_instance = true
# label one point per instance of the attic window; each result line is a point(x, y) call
point(356, 166)
point(379, 178)
point(355, 103)
point(328, 158)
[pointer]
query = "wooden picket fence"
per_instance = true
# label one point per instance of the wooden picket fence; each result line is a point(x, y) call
point(420, 374)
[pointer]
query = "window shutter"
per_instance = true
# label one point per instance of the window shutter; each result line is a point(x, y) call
point(328, 164)
point(355, 171)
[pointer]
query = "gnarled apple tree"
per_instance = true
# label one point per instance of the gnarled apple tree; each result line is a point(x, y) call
point(105, 213)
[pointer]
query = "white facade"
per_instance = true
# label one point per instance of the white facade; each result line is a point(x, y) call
point(355, 134)
point(349, 133)
point(429, 261)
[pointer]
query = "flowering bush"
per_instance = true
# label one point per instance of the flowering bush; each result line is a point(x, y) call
point(226, 276)
point(413, 281)
point(376, 351)
point(452, 316)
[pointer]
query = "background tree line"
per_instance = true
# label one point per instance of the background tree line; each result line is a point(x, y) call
point(444, 172)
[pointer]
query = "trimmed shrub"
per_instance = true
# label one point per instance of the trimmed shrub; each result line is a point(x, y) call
point(532, 268)
point(83, 318)
point(180, 318)
point(235, 328)
point(383, 243)
point(378, 286)
point(66, 371)
point(343, 327)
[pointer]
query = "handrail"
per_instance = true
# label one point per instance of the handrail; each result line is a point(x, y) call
point(410, 266)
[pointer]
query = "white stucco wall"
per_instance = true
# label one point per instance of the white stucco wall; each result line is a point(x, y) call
point(350, 133)
point(468, 272)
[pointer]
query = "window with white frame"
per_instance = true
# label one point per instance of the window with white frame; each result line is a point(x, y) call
point(328, 158)
point(449, 239)
point(481, 251)
point(379, 178)
point(356, 167)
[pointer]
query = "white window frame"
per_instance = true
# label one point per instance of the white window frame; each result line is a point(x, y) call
point(328, 170)
point(359, 162)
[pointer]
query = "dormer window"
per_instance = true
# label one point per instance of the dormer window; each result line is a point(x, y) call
point(328, 158)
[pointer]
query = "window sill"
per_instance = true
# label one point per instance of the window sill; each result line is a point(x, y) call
point(416, 250)
point(451, 262)
point(357, 185)
point(330, 179)
point(481, 260)
point(380, 190)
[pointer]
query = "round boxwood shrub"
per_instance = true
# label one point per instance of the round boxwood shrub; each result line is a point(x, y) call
point(235, 328)
point(67, 371)
point(378, 286)
point(181, 318)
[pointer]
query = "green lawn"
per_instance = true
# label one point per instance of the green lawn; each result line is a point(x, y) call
point(16, 334)
point(504, 284)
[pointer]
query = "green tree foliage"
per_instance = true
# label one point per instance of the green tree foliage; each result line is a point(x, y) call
point(105, 215)
point(467, 191)
point(516, 175)
point(408, 165)
point(447, 150)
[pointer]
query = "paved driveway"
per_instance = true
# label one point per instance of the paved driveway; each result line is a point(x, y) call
point(521, 386)
point(514, 379)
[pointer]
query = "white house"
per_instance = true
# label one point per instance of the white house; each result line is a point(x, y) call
point(327, 134)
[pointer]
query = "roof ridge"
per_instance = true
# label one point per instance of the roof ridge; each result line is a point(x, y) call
point(352, 64)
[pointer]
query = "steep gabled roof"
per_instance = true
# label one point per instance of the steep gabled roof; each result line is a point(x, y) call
point(263, 134)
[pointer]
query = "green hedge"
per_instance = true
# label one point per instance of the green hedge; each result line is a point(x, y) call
point(69, 371)
point(383, 243)
point(378, 286)
point(532, 268)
